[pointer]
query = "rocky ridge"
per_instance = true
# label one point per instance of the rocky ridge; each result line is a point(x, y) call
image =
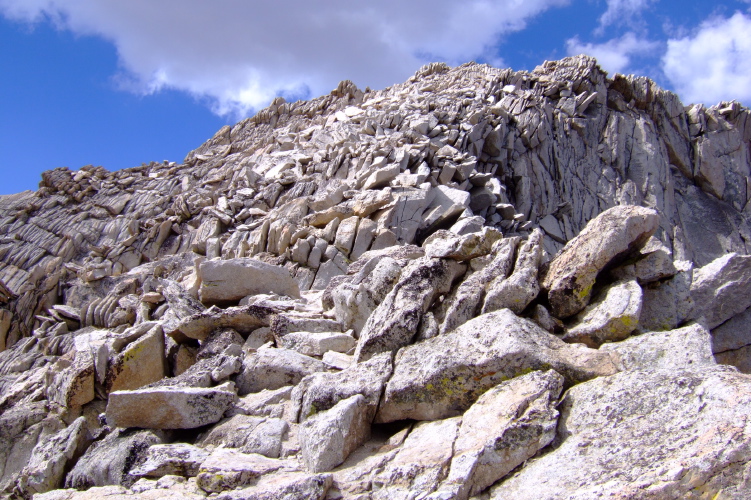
point(479, 283)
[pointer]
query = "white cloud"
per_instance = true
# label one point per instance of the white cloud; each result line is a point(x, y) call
point(614, 55)
point(241, 53)
point(714, 63)
point(623, 11)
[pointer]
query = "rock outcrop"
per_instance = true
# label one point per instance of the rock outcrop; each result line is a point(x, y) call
point(478, 283)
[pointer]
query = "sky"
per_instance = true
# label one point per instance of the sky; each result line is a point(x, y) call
point(119, 83)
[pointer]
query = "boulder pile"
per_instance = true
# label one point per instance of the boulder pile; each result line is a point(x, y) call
point(477, 284)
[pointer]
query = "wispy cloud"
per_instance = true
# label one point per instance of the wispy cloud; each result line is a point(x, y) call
point(616, 54)
point(623, 12)
point(713, 63)
point(240, 54)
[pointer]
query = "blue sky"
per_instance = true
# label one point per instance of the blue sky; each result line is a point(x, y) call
point(118, 83)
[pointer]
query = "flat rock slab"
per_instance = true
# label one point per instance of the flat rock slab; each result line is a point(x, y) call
point(244, 319)
point(327, 438)
point(722, 289)
point(443, 376)
point(228, 469)
point(505, 427)
point(611, 318)
point(169, 407)
point(284, 485)
point(318, 343)
point(613, 234)
point(275, 368)
point(646, 434)
point(171, 459)
point(230, 280)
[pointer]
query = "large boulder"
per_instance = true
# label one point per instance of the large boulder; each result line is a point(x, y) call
point(327, 438)
point(170, 407)
point(443, 376)
point(646, 434)
point(394, 322)
point(506, 426)
point(225, 281)
point(722, 289)
point(610, 318)
point(610, 236)
point(275, 368)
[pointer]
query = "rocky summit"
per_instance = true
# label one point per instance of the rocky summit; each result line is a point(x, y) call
point(479, 283)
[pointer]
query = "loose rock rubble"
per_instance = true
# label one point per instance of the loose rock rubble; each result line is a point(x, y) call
point(479, 283)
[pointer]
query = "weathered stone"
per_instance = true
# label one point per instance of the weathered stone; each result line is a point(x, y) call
point(465, 301)
point(110, 460)
point(505, 427)
point(515, 292)
point(722, 289)
point(141, 363)
point(170, 407)
point(684, 348)
point(395, 321)
point(641, 434)
point(421, 463)
point(72, 382)
point(244, 319)
point(327, 438)
point(610, 236)
point(227, 469)
point(666, 304)
point(52, 457)
point(286, 485)
point(317, 343)
point(610, 318)
point(248, 434)
point(355, 300)
point(226, 281)
point(345, 234)
point(275, 368)
point(321, 391)
point(262, 404)
point(170, 459)
point(443, 376)
point(445, 244)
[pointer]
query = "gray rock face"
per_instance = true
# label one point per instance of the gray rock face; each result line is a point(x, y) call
point(109, 461)
point(328, 438)
point(611, 235)
point(248, 434)
point(707, 447)
point(170, 459)
point(722, 289)
point(275, 368)
point(170, 407)
point(394, 322)
point(230, 280)
point(610, 318)
point(444, 376)
point(506, 426)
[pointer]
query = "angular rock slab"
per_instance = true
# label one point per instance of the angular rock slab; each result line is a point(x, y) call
point(646, 434)
point(443, 376)
point(275, 368)
point(505, 427)
point(228, 469)
point(230, 280)
point(248, 434)
point(284, 485)
point(395, 321)
point(611, 235)
point(722, 289)
point(110, 460)
point(168, 407)
point(171, 459)
point(682, 348)
point(52, 457)
point(321, 391)
point(244, 319)
point(327, 438)
point(610, 318)
point(421, 463)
